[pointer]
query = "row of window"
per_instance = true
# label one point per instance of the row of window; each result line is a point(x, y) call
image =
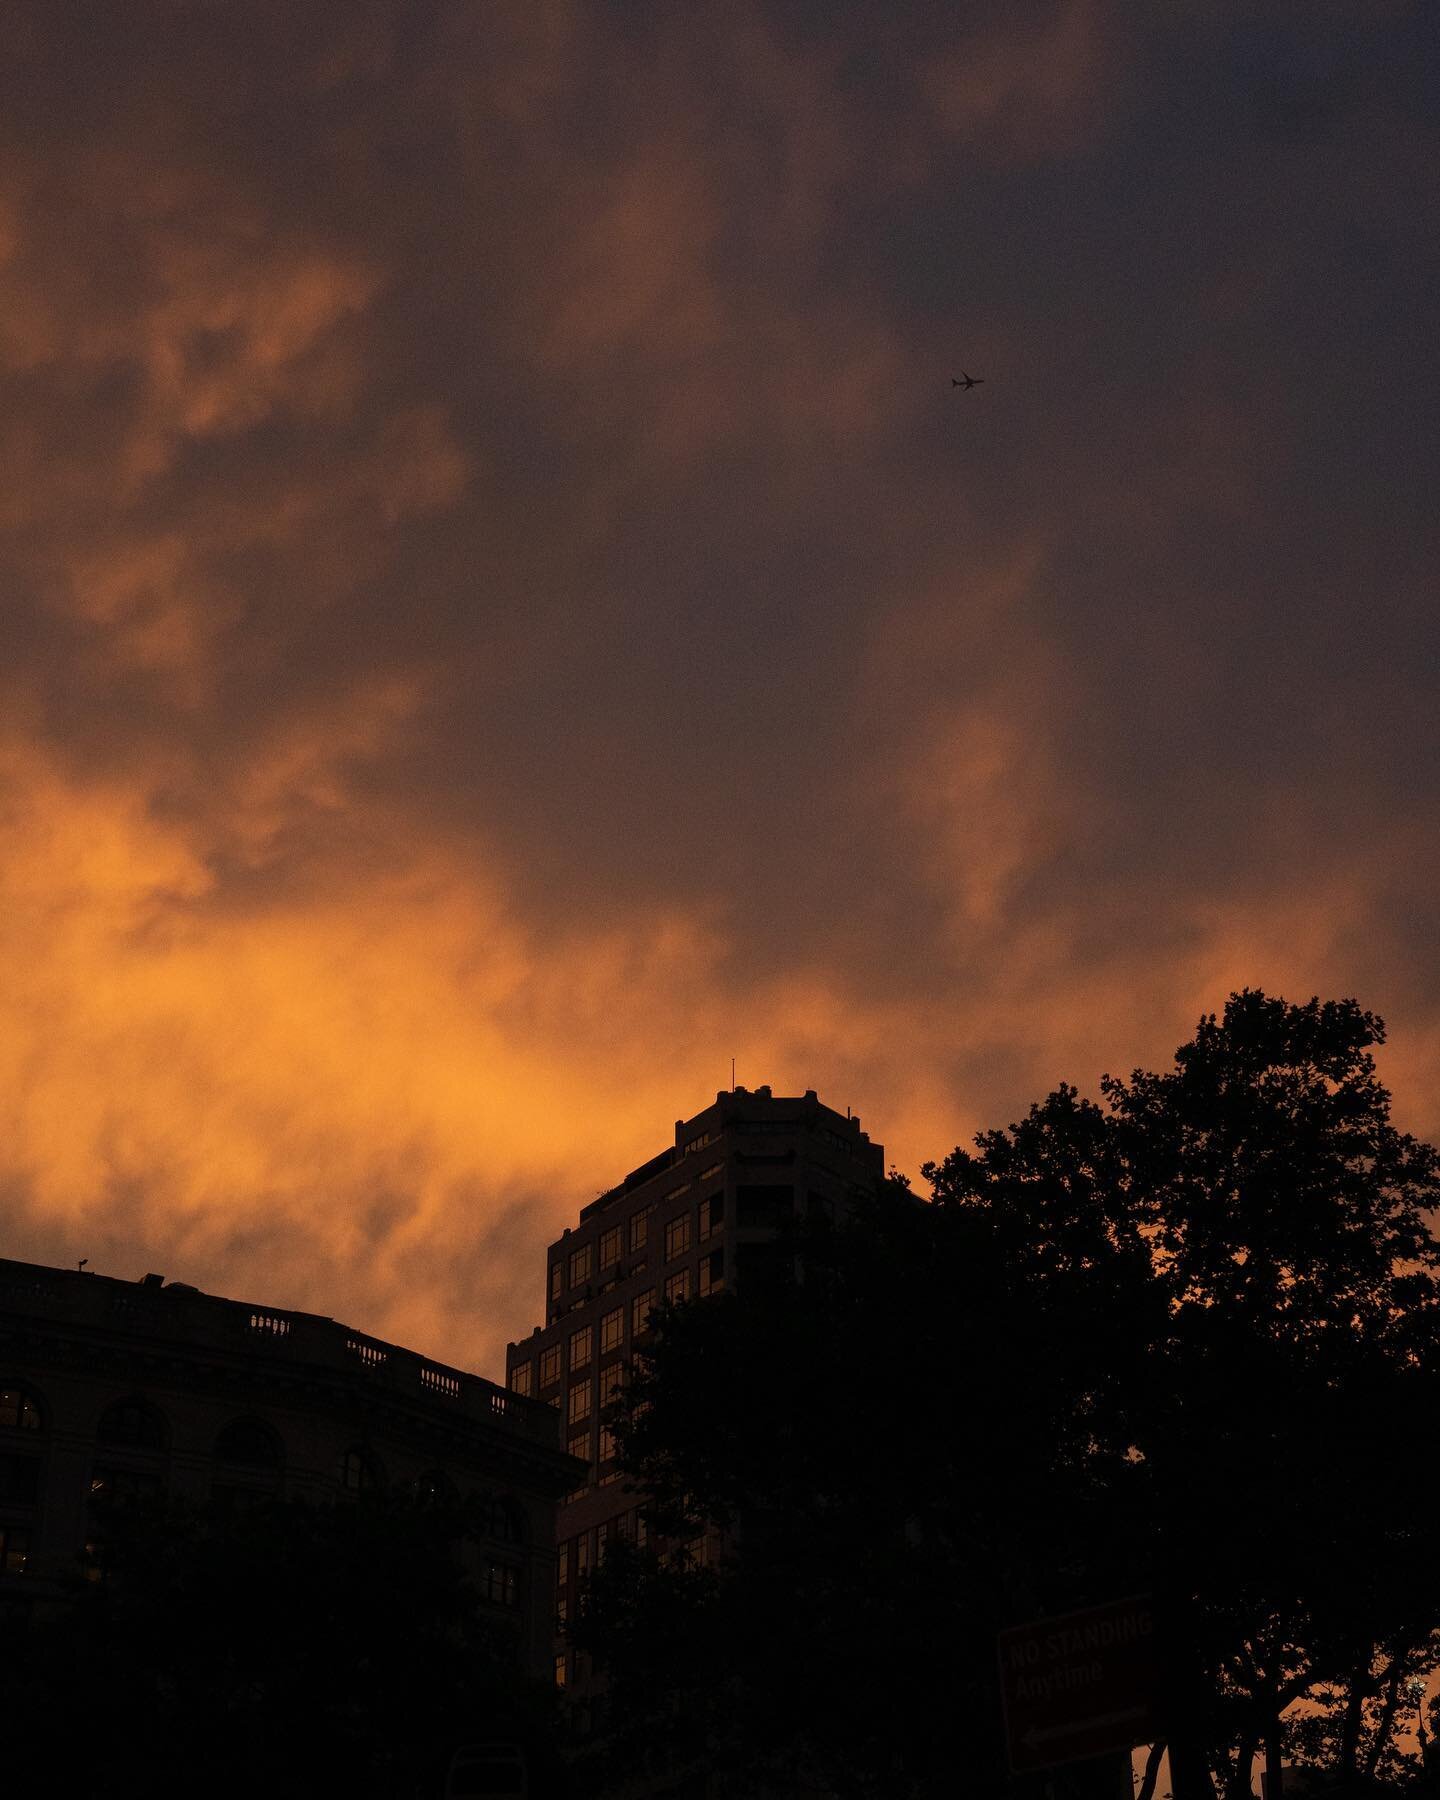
point(575, 1557)
point(606, 1251)
point(579, 1348)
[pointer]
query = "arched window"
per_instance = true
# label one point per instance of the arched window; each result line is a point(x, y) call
point(133, 1424)
point(251, 1442)
point(359, 1472)
point(19, 1409)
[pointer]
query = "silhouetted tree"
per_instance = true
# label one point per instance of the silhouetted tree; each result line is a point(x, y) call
point(1182, 1338)
point(288, 1649)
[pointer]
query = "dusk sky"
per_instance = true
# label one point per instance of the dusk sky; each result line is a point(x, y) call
point(503, 608)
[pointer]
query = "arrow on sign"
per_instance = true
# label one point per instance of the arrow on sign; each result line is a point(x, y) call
point(1033, 1739)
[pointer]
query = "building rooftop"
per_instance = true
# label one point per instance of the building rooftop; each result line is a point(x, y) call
point(173, 1312)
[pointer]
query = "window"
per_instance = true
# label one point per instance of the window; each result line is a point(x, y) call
point(640, 1228)
point(14, 1548)
point(582, 1554)
point(359, 1473)
point(612, 1383)
point(562, 1612)
point(560, 1671)
point(612, 1330)
point(676, 1192)
point(19, 1479)
point(677, 1237)
point(714, 1169)
point(580, 1343)
point(501, 1584)
point(520, 1377)
point(712, 1215)
point(761, 1205)
point(557, 1279)
point(642, 1529)
point(610, 1247)
point(640, 1311)
point(133, 1423)
point(251, 1442)
point(602, 1539)
point(577, 1406)
point(18, 1410)
point(562, 1565)
point(581, 1261)
point(607, 1444)
point(579, 1446)
point(699, 1143)
point(677, 1287)
point(712, 1272)
point(125, 1485)
point(550, 1366)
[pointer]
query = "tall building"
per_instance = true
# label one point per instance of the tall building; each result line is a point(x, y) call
point(701, 1216)
point(111, 1387)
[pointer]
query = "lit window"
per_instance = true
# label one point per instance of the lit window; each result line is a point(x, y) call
point(677, 1287)
point(577, 1406)
point(640, 1311)
point(580, 1264)
point(550, 1366)
point(712, 1215)
point(560, 1671)
point(607, 1444)
point(562, 1565)
point(612, 1330)
point(557, 1280)
point(358, 1472)
point(677, 1237)
point(699, 1143)
point(18, 1410)
point(640, 1228)
point(714, 1169)
point(14, 1549)
point(676, 1192)
point(562, 1612)
point(433, 1488)
point(133, 1423)
point(610, 1247)
point(520, 1377)
point(712, 1272)
point(612, 1383)
point(580, 1343)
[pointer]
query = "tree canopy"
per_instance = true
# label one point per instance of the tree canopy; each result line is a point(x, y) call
point(1182, 1338)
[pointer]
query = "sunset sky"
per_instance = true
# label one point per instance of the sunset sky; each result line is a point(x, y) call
point(503, 608)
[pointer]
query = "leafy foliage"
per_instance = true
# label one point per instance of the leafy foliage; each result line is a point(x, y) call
point(1180, 1339)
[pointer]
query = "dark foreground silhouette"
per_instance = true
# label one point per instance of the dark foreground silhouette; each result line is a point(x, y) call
point(1183, 1343)
point(288, 1650)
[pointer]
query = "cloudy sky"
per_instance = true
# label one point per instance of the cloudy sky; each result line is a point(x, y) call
point(502, 609)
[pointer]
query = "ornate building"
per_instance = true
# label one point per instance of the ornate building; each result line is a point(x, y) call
point(110, 1386)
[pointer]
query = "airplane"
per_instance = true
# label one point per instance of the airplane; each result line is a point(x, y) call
point(969, 381)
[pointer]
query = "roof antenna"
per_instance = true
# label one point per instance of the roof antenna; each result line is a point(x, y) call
point(82, 1262)
point(732, 1074)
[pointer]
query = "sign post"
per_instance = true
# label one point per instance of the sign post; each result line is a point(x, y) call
point(1078, 1685)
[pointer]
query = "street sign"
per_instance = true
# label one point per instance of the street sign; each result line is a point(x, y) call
point(1079, 1684)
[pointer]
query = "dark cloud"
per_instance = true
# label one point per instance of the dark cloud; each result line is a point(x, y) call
point(505, 609)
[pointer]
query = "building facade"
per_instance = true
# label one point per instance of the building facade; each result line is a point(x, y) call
point(690, 1222)
point(140, 1387)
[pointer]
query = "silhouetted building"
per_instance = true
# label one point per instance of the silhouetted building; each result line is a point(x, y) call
point(112, 1387)
point(703, 1215)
